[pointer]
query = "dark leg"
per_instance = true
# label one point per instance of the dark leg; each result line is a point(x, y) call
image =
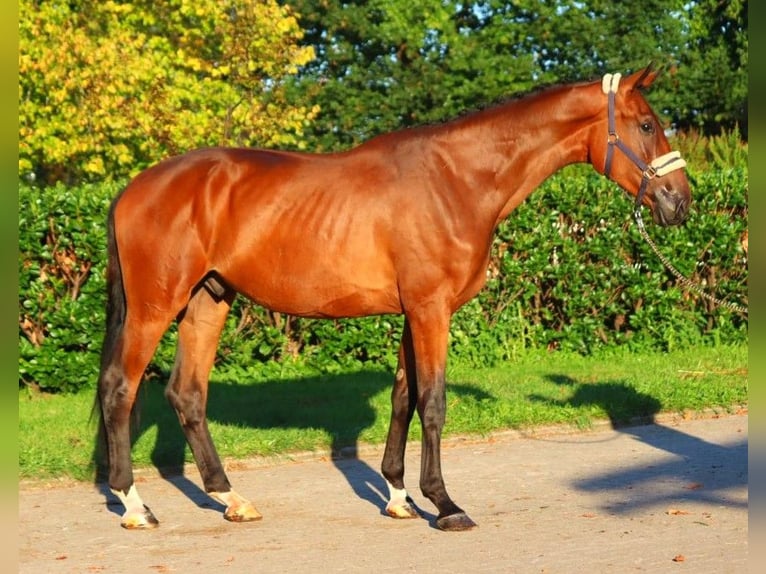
point(429, 336)
point(125, 358)
point(403, 401)
point(199, 329)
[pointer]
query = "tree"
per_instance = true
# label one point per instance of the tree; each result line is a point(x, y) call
point(106, 88)
point(386, 64)
point(712, 80)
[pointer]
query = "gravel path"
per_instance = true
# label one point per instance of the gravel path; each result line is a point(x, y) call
point(666, 497)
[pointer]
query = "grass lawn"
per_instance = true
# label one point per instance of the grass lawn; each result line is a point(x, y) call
point(56, 432)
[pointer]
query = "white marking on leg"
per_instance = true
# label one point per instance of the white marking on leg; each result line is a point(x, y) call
point(226, 498)
point(131, 501)
point(396, 495)
point(137, 515)
point(398, 506)
point(238, 508)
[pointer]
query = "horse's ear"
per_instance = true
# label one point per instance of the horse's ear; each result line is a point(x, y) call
point(642, 80)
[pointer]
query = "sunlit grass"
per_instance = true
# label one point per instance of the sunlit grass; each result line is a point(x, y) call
point(56, 434)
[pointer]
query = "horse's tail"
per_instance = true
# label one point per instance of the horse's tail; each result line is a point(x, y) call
point(115, 302)
point(115, 319)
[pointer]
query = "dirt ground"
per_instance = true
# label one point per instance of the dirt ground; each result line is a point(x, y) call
point(665, 497)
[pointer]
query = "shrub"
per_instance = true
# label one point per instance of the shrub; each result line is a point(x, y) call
point(62, 244)
point(568, 271)
point(582, 277)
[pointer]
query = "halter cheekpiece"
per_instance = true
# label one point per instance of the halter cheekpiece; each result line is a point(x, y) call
point(658, 167)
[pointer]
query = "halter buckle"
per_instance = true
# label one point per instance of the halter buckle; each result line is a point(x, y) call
point(650, 172)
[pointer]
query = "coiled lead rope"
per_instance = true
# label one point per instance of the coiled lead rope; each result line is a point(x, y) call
point(684, 280)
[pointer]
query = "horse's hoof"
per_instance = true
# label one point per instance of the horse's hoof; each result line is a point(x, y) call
point(455, 522)
point(139, 520)
point(242, 513)
point(404, 510)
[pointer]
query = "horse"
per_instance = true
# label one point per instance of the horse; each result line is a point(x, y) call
point(401, 224)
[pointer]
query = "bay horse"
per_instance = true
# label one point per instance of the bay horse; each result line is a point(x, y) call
point(400, 224)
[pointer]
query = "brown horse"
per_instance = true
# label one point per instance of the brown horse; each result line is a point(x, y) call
point(400, 224)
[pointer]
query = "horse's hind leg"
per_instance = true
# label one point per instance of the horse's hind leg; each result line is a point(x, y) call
point(403, 402)
point(127, 351)
point(199, 329)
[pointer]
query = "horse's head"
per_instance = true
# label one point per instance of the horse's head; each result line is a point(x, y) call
point(635, 152)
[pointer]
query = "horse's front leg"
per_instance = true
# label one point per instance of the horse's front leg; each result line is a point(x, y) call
point(403, 401)
point(429, 336)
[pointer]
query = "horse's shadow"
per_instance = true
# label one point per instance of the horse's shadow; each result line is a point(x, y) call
point(687, 459)
point(339, 405)
point(621, 403)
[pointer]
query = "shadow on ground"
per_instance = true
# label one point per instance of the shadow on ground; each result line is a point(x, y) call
point(340, 405)
point(703, 471)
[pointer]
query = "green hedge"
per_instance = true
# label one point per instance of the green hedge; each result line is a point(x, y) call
point(575, 273)
point(568, 271)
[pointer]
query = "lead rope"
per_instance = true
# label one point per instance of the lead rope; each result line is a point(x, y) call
point(656, 168)
point(684, 280)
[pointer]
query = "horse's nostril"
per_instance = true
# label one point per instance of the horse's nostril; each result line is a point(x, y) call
point(681, 210)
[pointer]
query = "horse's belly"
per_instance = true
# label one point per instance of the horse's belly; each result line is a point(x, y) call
point(311, 288)
point(323, 302)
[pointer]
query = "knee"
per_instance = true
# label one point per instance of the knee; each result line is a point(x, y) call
point(400, 407)
point(115, 397)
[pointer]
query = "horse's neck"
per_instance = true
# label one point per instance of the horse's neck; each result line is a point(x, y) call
point(524, 142)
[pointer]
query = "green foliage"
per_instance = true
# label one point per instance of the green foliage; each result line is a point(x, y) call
point(568, 271)
point(387, 64)
point(711, 82)
point(586, 280)
point(106, 88)
point(288, 412)
point(62, 246)
point(722, 151)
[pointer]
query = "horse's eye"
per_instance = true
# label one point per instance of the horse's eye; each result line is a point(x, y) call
point(647, 127)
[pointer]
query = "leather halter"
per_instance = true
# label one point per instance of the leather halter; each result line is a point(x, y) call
point(658, 167)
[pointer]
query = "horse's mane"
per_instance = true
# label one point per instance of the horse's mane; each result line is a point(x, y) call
point(516, 96)
point(488, 106)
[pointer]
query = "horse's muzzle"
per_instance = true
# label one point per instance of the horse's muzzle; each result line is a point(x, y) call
point(670, 206)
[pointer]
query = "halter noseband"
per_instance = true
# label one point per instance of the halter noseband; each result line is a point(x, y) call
point(656, 168)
